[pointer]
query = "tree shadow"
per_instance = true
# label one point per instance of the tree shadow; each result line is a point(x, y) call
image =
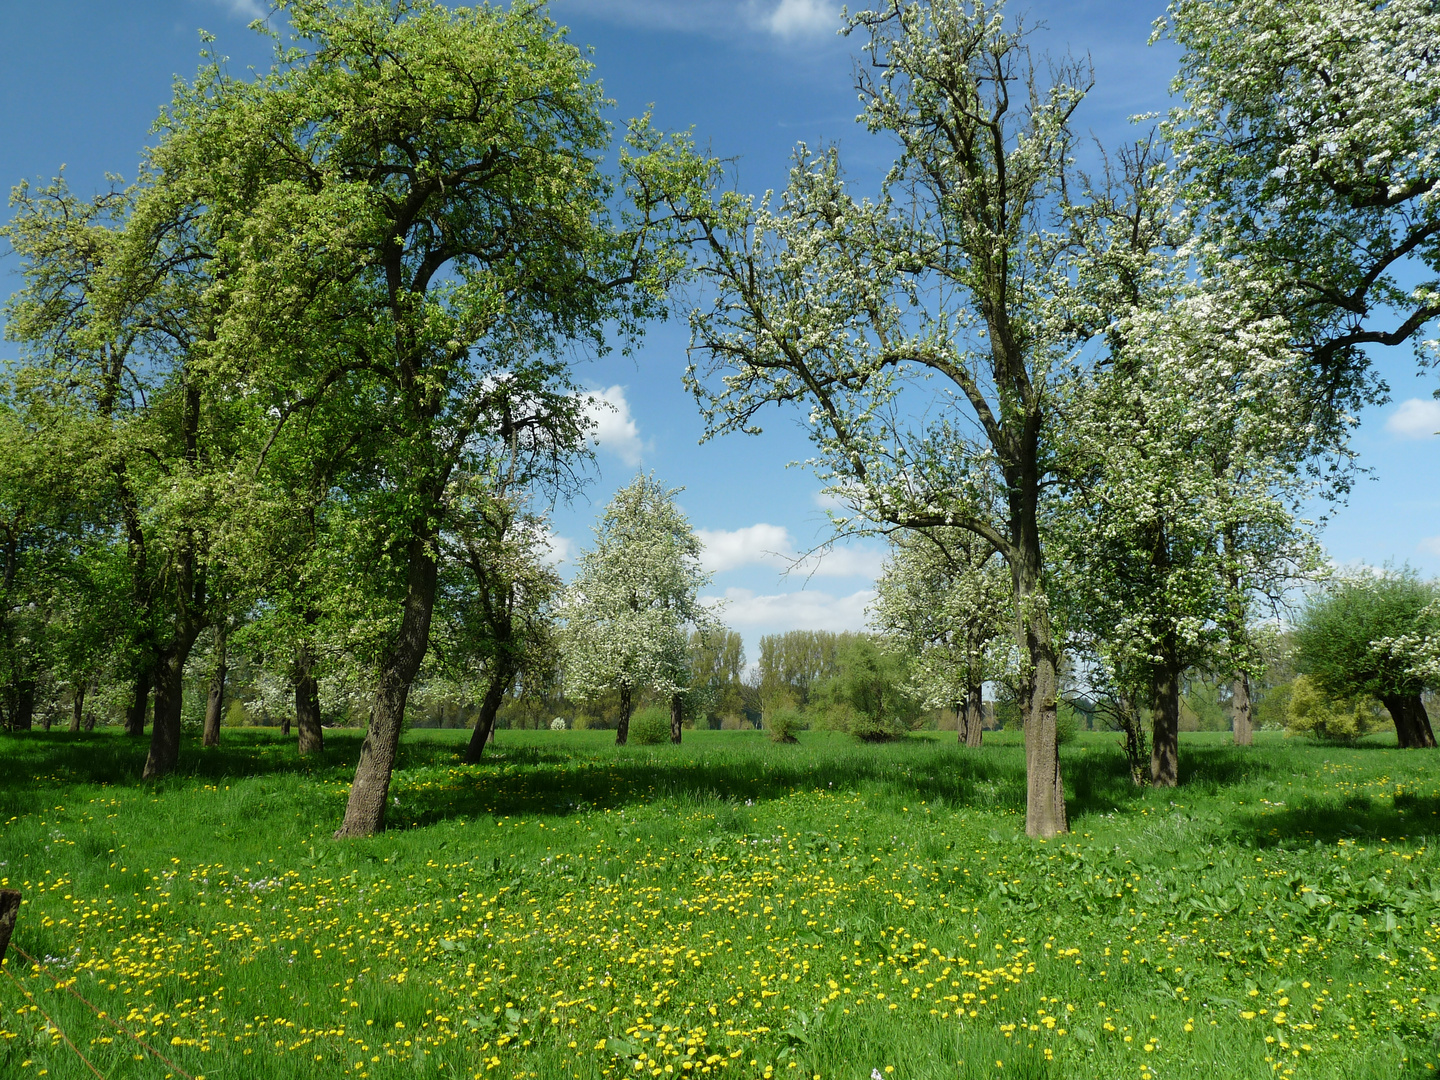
point(1359, 818)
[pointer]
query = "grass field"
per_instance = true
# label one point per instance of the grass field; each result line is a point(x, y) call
point(727, 908)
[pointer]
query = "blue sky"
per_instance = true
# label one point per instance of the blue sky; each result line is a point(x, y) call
point(82, 80)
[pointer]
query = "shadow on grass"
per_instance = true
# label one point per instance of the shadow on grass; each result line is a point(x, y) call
point(521, 778)
point(1361, 818)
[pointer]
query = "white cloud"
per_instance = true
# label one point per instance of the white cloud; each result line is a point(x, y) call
point(844, 562)
point(562, 548)
point(1430, 545)
point(1417, 418)
point(615, 430)
point(762, 543)
point(772, 545)
point(803, 610)
point(785, 19)
point(794, 18)
point(245, 9)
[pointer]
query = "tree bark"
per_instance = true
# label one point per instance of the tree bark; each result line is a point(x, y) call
point(974, 723)
point(1412, 722)
point(1240, 706)
point(169, 696)
point(365, 811)
point(677, 717)
point(1044, 788)
point(1165, 730)
point(215, 702)
point(489, 707)
point(307, 703)
point(622, 731)
point(23, 718)
point(140, 701)
point(77, 704)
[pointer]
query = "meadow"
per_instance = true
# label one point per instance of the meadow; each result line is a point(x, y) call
point(729, 908)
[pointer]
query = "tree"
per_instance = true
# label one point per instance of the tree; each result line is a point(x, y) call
point(500, 599)
point(1309, 135)
point(869, 695)
point(940, 296)
point(946, 597)
point(717, 669)
point(792, 664)
point(1184, 479)
point(422, 230)
point(635, 597)
point(1346, 642)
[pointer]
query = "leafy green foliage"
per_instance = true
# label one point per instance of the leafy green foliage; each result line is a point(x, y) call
point(1309, 711)
point(1337, 639)
point(650, 726)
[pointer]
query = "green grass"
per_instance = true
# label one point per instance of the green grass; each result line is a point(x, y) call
point(566, 909)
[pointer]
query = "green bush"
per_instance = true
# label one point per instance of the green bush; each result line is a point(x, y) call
point(650, 726)
point(1310, 712)
point(782, 724)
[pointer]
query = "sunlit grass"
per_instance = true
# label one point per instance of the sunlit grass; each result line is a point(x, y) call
point(729, 907)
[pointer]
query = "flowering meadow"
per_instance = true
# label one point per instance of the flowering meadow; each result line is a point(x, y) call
point(729, 908)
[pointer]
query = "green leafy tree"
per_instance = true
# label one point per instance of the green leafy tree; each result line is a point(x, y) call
point(417, 228)
point(1346, 643)
point(792, 664)
point(634, 602)
point(870, 694)
point(717, 670)
point(946, 596)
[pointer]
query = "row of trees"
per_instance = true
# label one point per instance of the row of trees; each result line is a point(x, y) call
point(302, 382)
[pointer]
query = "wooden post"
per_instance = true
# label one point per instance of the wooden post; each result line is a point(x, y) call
point(9, 908)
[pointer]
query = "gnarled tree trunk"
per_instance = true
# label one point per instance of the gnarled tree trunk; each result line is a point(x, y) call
point(1165, 728)
point(677, 717)
point(1240, 709)
point(973, 727)
point(169, 696)
point(1412, 722)
point(215, 702)
point(365, 811)
point(307, 703)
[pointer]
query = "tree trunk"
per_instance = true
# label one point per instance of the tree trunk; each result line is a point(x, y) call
point(622, 732)
point(169, 696)
point(23, 718)
point(215, 703)
point(140, 701)
point(1412, 722)
point(1240, 706)
point(1165, 729)
point(77, 704)
point(47, 720)
point(1044, 788)
point(307, 703)
point(365, 811)
point(974, 725)
point(489, 707)
point(677, 717)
